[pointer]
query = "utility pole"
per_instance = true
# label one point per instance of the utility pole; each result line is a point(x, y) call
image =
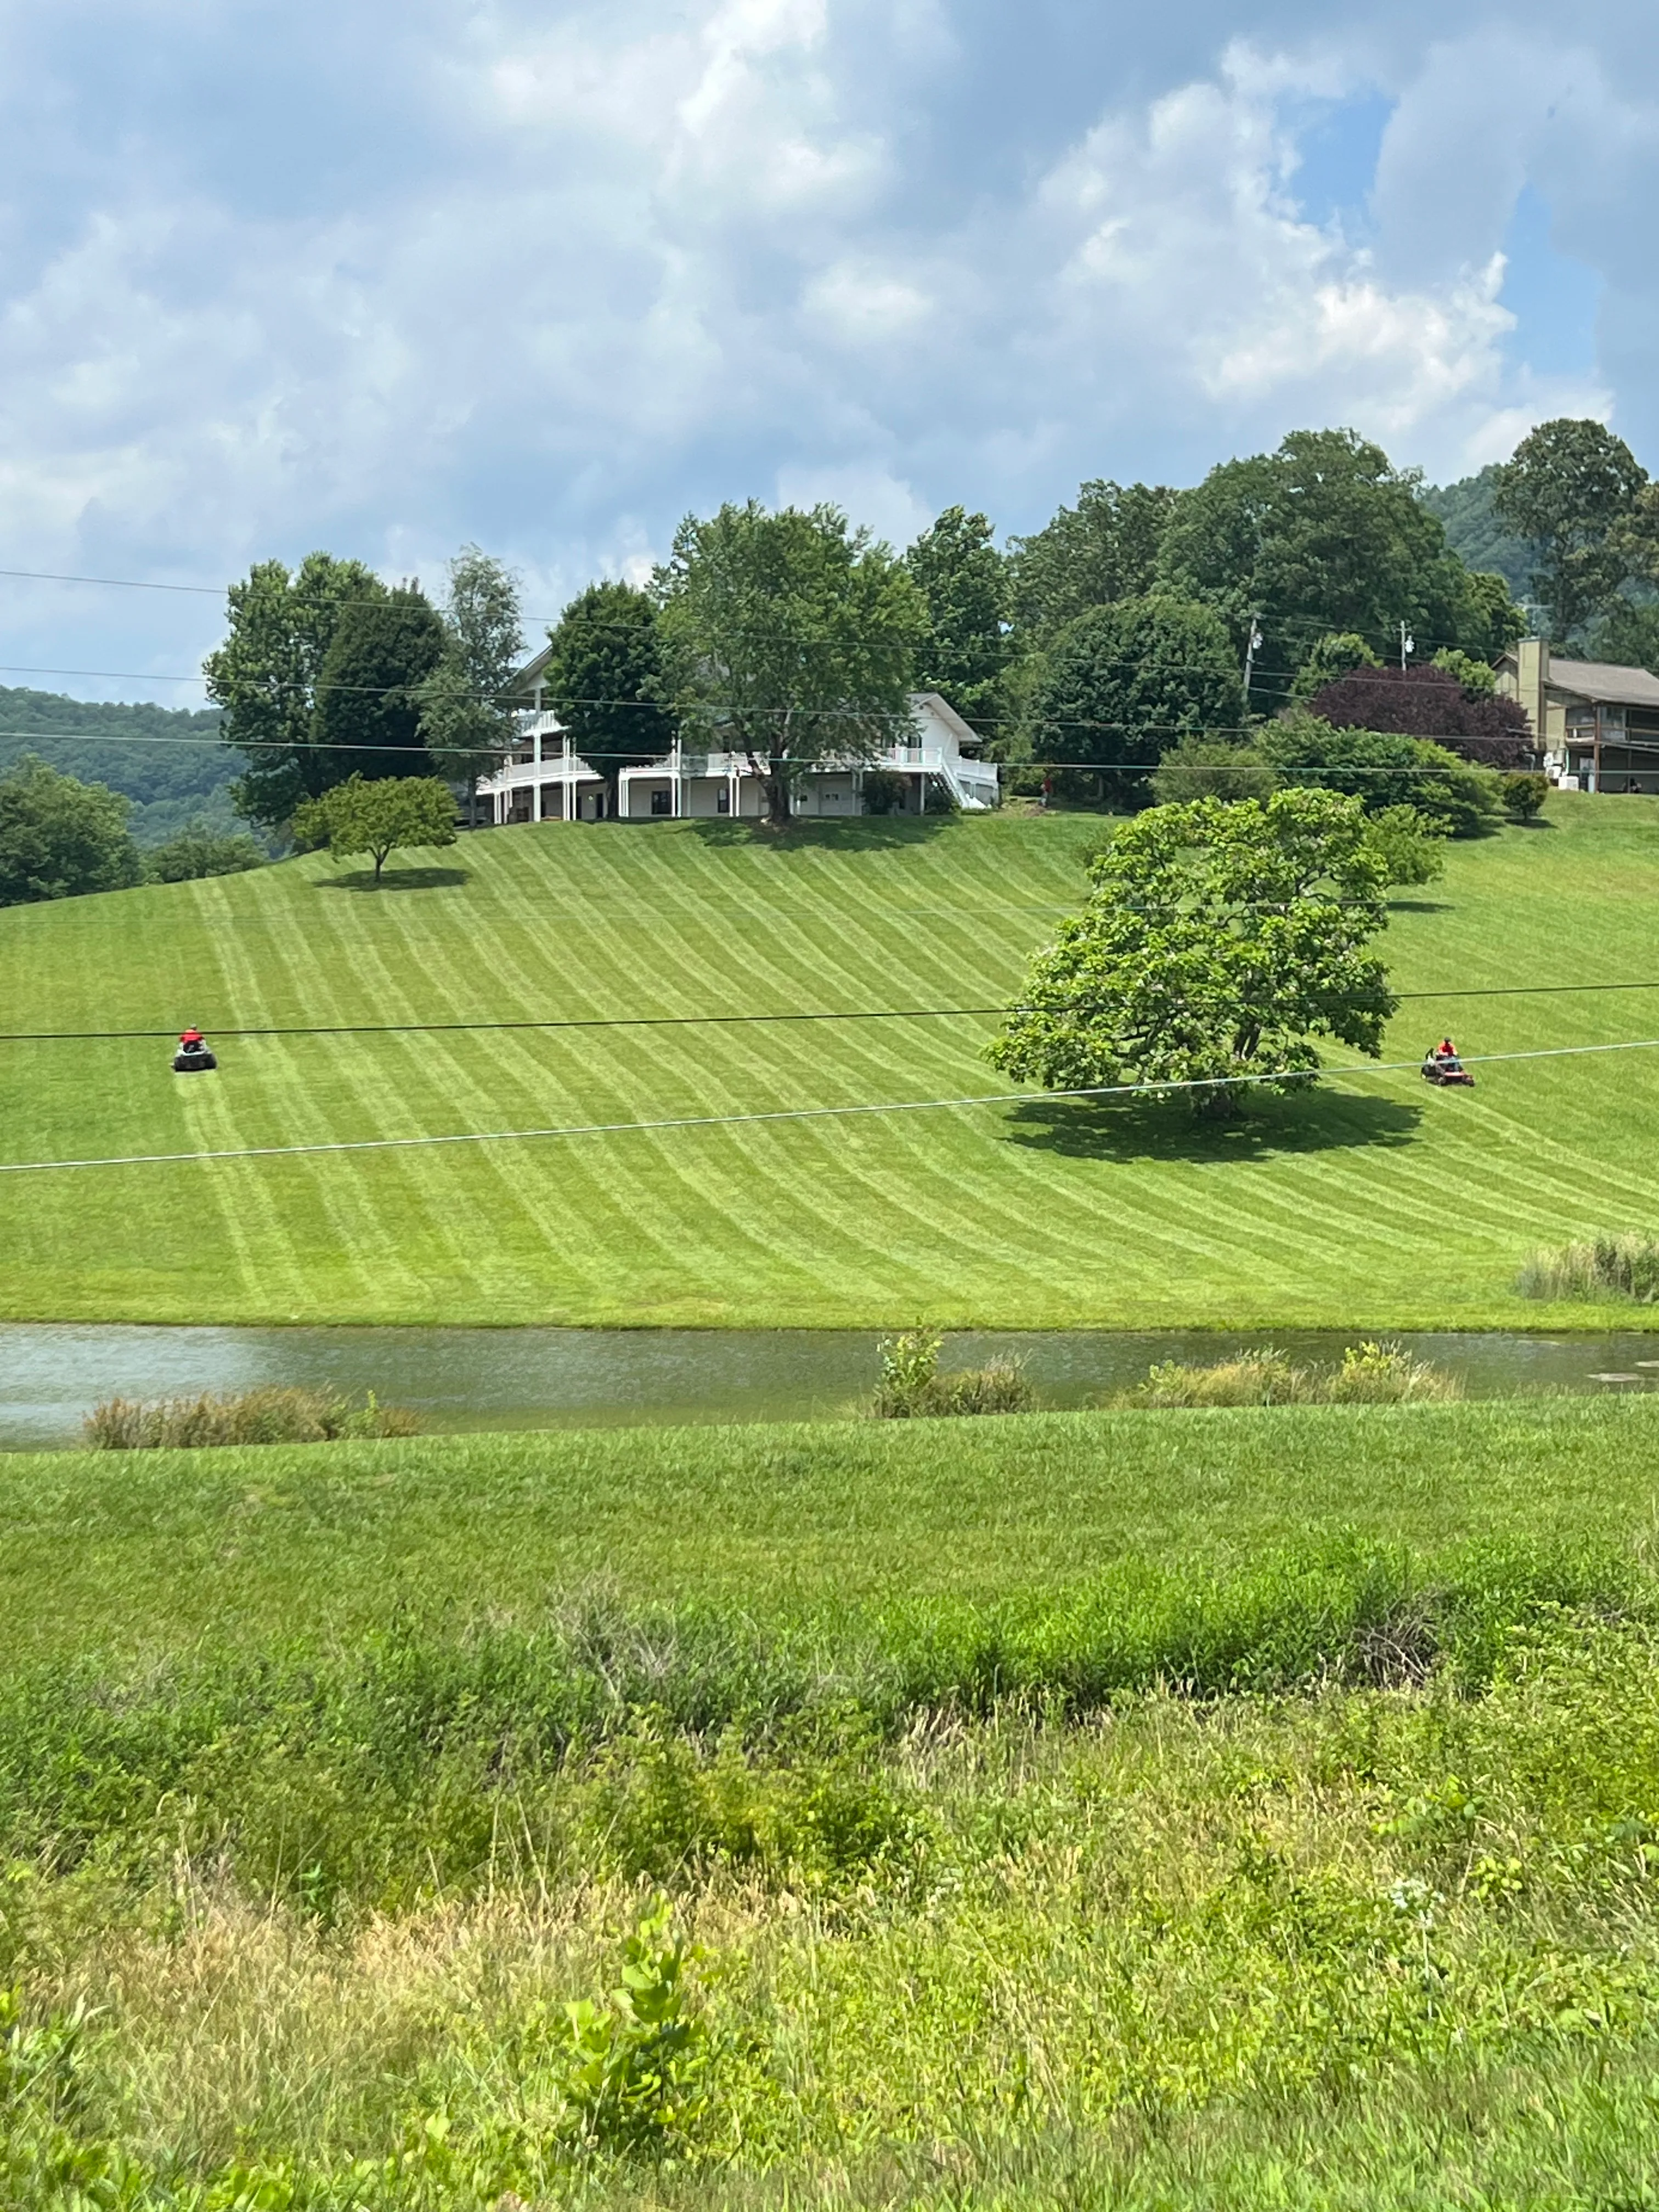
point(1250, 653)
point(1407, 644)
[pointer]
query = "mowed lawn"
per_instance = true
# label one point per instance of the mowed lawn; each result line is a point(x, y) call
point(1377, 1205)
point(147, 1553)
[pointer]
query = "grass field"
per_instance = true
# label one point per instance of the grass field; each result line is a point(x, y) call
point(1377, 1205)
point(1210, 1812)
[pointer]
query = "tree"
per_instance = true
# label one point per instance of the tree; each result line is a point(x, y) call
point(793, 639)
point(1322, 536)
point(1120, 683)
point(60, 837)
point(1429, 701)
point(265, 674)
point(964, 581)
point(1383, 770)
point(1104, 549)
point(1571, 488)
point(379, 816)
point(466, 706)
point(604, 680)
point(1218, 941)
point(1627, 634)
point(197, 851)
point(1333, 656)
point(1408, 844)
point(368, 717)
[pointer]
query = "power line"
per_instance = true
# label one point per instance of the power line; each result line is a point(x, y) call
point(713, 1021)
point(779, 1114)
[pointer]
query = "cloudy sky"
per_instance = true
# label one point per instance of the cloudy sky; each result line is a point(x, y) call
point(386, 276)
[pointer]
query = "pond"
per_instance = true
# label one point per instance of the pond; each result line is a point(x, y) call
point(52, 1374)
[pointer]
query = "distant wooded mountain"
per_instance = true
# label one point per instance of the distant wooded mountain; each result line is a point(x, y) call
point(1476, 534)
point(167, 782)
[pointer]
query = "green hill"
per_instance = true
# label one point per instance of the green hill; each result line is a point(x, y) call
point(1378, 1204)
point(1476, 534)
point(137, 751)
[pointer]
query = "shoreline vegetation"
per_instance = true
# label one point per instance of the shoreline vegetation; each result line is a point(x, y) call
point(1127, 1808)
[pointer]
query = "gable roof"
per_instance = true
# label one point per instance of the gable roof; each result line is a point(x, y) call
point(1604, 680)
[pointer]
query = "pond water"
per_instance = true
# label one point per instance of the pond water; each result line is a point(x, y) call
point(52, 1374)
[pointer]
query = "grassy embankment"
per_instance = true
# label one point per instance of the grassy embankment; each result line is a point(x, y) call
point(1376, 1205)
point(328, 1775)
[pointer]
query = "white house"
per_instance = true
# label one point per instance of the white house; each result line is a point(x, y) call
point(545, 780)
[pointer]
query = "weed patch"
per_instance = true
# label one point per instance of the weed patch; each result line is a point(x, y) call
point(270, 1416)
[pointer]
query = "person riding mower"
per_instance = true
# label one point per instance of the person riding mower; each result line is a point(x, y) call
point(192, 1057)
point(1441, 1068)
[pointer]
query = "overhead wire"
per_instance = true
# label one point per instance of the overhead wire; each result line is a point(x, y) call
point(334, 1146)
point(713, 1021)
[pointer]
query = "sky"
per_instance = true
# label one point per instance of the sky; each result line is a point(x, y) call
point(390, 276)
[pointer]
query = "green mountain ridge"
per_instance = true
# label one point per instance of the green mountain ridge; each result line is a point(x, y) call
point(133, 748)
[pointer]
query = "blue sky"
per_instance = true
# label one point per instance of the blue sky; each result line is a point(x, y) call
point(387, 278)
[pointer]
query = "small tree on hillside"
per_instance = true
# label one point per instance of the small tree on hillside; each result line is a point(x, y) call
point(1218, 943)
point(379, 817)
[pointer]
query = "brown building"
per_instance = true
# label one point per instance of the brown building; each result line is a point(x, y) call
point(1598, 724)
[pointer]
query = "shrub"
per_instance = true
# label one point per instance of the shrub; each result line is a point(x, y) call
point(1433, 702)
point(884, 790)
point(1408, 845)
point(1599, 1267)
point(1383, 770)
point(198, 850)
point(1209, 767)
point(634, 2076)
point(1524, 794)
point(911, 1387)
point(268, 1416)
point(1370, 1375)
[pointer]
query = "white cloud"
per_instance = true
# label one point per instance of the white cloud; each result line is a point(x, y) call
point(387, 278)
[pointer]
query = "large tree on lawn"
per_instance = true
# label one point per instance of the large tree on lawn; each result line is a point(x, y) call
point(793, 637)
point(1219, 942)
point(368, 719)
point(467, 708)
point(1573, 490)
point(964, 580)
point(603, 679)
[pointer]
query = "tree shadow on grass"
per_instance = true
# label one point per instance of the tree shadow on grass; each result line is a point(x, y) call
point(1419, 906)
point(395, 879)
point(1168, 1129)
point(861, 833)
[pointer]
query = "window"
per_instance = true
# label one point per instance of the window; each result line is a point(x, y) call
point(662, 801)
point(723, 799)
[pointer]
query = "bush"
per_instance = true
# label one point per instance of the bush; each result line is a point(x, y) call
point(1209, 767)
point(1435, 702)
point(1384, 769)
point(884, 790)
point(199, 851)
point(912, 1388)
point(1599, 1267)
point(634, 2078)
point(1407, 844)
point(1370, 1375)
point(1524, 794)
point(270, 1416)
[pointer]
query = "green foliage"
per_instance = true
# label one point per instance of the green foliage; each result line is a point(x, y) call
point(1209, 767)
point(60, 838)
point(793, 639)
point(1571, 490)
point(1371, 1374)
point(1409, 845)
point(1474, 533)
point(1102, 550)
point(965, 582)
point(379, 817)
point(604, 679)
point(911, 1387)
point(1627, 634)
point(1477, 678)
point(265, 677)
point(382, 653)
point(1121, 682)
point(1384, 769)
point(269, 1415)
point(1331, 658)
point(1219, 942)
point(467, 706)
point(636, 2077)
point(198, 850)
point(885, 790)
point(99, 741)
point(1604, 1269)
point(1323, 536)
point(1524, 794)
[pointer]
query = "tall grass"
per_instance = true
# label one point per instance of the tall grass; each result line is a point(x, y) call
point(911, 1387)
point(1370, 1374)
point(1597, 1268)
point(268, 1416)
